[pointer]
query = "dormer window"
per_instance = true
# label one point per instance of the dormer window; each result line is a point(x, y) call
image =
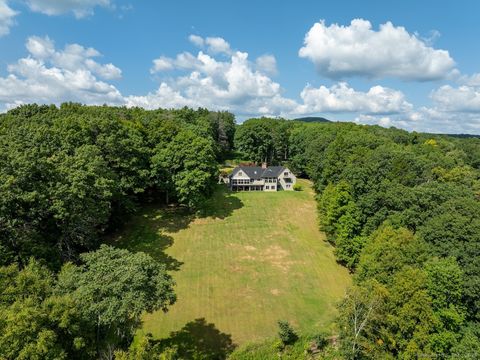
point(285, 173)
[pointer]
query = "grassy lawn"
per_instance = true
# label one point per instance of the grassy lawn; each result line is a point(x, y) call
point(245, 261)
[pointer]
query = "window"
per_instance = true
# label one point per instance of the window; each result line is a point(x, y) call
point(285, 173)
point(267, 187)
point(240, 173)
point(288, 186)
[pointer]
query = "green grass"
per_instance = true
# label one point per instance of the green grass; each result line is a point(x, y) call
point(243, 262)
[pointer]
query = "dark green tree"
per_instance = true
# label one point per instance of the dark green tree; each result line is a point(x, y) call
point(287, 335)
point(112, 288)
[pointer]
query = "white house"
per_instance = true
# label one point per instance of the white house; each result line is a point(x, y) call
point(261, 178)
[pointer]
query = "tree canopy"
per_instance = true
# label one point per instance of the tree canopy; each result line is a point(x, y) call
point(69, 174)
point(90, 310)
point(402, 210)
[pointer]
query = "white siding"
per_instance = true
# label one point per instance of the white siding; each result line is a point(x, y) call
point(288, 186)
point(271, 183)
point(240, 175)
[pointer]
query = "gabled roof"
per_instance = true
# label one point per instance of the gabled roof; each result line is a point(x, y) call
point(273, 171)
point(257, 172)
point(253, 172)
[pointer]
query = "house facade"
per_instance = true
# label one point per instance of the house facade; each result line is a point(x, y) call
point(261, 178)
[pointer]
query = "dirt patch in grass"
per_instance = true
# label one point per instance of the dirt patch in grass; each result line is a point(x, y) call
point(273, 255)
point(278, 257)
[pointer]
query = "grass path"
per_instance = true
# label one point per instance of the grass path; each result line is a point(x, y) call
point(247, 260)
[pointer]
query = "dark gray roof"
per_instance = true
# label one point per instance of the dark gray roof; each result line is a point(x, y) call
point(253, 172)
point(257, 172)
point(273, 171)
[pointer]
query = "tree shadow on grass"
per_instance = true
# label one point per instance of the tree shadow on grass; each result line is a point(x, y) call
point(220, 205)
point(149, 230)
point(200, 340)
point(144, 235)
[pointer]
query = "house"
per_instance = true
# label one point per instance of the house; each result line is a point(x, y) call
point(261, 178)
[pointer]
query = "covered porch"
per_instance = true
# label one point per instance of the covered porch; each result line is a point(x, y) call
point(247, 187)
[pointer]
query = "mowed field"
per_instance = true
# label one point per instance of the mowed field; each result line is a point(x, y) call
point(243, 262)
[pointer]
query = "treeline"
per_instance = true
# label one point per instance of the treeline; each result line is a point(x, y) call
point(403, 212)
point(68, 174)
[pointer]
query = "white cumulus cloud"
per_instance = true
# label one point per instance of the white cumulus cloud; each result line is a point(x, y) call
point(235, 84)
point(438, 121)
point(427, 119)
point(267, 63)
point(217, 45)
point(7, 17)
point(48, 75)
point(358, 50)
point(213, 45)
point(472, 80)
point(245, 87)
point(80, 8)
point(342, 98)
point(162, 64)
point(72, 57)
point(228, 81)
point(196, 40)
point(463, 98)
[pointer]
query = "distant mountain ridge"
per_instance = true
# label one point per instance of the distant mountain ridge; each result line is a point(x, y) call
point(310, 119)
point(462, 136)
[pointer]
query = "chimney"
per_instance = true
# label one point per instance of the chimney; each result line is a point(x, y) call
point(264, 165)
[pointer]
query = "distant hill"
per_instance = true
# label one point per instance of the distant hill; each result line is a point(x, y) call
point(464, 136)
point(311, 119)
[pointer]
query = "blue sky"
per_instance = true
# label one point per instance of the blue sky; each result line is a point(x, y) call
point(409, 64)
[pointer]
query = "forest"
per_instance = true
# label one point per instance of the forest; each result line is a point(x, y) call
point(401, 209)
point(68, 176)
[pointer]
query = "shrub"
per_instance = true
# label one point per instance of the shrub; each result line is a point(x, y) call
point(277, 345)
point(297, 187)
point(320, 341)
point(286, 333)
